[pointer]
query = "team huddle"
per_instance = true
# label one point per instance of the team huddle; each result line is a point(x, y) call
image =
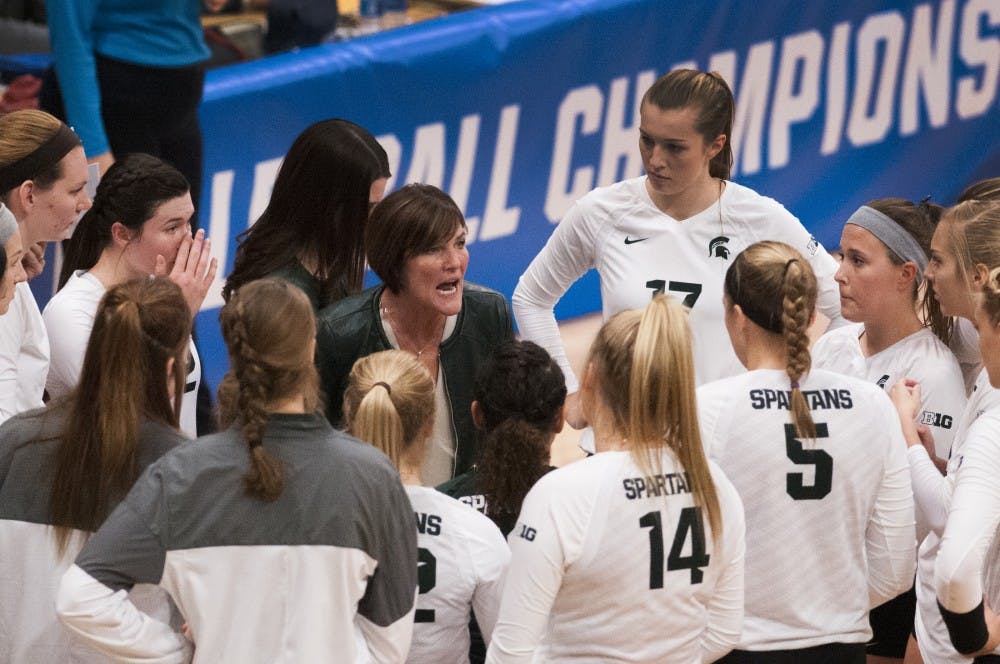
point(761, 486)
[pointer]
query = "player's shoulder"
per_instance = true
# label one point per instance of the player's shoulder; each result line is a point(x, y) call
point(747, 201)
point(614, 200)
point(81, 294)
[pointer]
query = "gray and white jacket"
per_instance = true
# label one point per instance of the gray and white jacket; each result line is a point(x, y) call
point(325, 573)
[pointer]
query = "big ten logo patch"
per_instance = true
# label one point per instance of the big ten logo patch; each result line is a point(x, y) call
point(936, 419)
point(527, 533)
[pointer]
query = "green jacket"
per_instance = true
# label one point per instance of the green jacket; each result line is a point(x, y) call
point(351, 328)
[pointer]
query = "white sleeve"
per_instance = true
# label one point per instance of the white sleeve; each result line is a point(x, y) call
point(972, 525)
point(890, 539)
point(725, 609)
point(972, 522)
point(534, 576)
point(389, 644)
point(107, 620)
point(942, 400)
point(931, 492)
point(570, 251)
point(11, 336)
point(69, 334)
point(491, 561)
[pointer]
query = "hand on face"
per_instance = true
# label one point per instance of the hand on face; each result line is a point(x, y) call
point(194, 269)
point(33, 260)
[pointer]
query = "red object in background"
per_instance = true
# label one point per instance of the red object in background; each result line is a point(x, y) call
point(21, 93)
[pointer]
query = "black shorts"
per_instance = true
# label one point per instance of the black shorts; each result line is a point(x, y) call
point(828, 653)
point(892, 624)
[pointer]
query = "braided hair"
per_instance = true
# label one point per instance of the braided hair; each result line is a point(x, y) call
point(776, 289)
point(129, 193)
point(263, 325)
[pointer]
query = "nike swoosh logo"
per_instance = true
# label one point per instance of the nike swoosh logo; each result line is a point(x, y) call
point(628, 240)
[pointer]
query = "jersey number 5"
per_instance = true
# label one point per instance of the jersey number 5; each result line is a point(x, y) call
point(660, 286)
point(426, 580)
point(823, 481)
point(689, 522)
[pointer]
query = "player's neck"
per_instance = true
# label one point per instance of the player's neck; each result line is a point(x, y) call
point(410, 474)
point(880, 334)
point(766, 351)
point(111, 268)
point(692, 200)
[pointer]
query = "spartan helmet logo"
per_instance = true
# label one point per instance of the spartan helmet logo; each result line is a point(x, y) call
point(717, 248)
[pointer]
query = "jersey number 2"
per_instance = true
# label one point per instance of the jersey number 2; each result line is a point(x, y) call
point(426, 580)
point(689, 522)
point(795, 484)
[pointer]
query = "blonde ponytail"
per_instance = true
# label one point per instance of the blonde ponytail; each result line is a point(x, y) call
point(389, 402)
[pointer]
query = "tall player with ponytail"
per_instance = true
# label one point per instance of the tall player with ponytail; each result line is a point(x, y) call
point(673, 230)
point(279, 539)
point(636, 553)
point(819, 461)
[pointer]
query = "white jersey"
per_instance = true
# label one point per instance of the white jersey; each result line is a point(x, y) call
point(611, 566)
point(933, 494)
point(968, 563)
point(462, 561)
point(24, 355)
point(920, 356)
point(831, 521)
point(638, 250)
point(69, 317)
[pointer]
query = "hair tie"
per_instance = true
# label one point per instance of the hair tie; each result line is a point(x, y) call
point(388, 390)
point(795, 384)
point(925, 200)
point(257, 442)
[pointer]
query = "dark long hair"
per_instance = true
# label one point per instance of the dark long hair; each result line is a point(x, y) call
point(520, 391)
point(318, 209)
point(138, 327)
point(129, 194)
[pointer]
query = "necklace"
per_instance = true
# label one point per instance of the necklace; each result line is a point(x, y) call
point(408, 345)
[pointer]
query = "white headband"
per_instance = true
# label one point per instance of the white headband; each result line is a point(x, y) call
point(8, 224)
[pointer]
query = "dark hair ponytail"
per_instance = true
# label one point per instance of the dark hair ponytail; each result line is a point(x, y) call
point(520, 391)
point(129, 193)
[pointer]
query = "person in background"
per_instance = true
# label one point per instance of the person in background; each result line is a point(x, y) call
point(279, 538)
point(819, 461)
point(139, 225)
point(635, 553)
point(127, 87)
point(65, 467)
point(312, 232)
point(462, 556)
point(11, 271)
point(43, 172)
point(415, 243)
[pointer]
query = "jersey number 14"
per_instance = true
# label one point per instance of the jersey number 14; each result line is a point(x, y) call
point(689, 526)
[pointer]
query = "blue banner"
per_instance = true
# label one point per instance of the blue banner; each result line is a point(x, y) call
point(518, 110)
